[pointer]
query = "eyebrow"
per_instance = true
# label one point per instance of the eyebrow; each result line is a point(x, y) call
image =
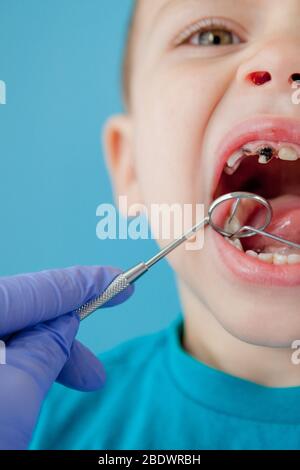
point(165, 7)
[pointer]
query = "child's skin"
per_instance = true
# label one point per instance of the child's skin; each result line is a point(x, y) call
point(184, 99)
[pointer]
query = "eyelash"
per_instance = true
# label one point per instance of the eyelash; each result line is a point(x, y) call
point(203, 26)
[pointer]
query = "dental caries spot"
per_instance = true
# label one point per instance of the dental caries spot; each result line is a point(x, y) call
point(265, 154)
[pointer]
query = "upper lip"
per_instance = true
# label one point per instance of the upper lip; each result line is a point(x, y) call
point(275, 128)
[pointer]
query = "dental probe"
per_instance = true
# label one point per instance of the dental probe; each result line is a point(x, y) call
point(123, 280)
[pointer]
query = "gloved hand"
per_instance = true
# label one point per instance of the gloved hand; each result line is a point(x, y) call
point(38, 325)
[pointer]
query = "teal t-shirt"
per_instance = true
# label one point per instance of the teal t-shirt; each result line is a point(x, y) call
point(157, 396)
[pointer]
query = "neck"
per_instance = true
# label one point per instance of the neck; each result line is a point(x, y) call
point(206, 340)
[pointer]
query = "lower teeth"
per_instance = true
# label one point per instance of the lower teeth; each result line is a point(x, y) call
point(276, 257)
point(269, 258)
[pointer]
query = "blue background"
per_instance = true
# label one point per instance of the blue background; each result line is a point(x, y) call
point(60, 60)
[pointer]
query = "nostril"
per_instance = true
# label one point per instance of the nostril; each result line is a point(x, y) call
point(259, 78)
point(295, 77)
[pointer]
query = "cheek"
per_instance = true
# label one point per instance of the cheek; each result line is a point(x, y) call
point(171, 115)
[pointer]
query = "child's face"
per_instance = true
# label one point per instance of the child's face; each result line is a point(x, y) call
point(188, 103)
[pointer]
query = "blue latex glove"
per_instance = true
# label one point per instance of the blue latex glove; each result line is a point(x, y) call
point(38, 325)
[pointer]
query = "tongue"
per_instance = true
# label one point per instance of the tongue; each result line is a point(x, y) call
point(285, 223)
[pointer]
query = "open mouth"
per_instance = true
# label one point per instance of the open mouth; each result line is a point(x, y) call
point(270, 168)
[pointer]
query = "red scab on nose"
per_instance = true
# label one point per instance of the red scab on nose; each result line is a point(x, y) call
point(259, 78)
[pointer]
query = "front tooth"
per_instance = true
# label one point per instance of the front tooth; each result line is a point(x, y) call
point(236, 243)
point(233, 226)
point(233, 162)
point(267, 257)
point(288, 153)
point(293, 259)
point(266, 154)
point(252, 253)
point(279, 259)
point(264, 159)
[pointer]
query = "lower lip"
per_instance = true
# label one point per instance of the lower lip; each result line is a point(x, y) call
point(252, 270)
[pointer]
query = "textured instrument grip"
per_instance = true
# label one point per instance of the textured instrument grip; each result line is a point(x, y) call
point(118, 285)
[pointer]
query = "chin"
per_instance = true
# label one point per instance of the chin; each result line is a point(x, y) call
point(258, 329)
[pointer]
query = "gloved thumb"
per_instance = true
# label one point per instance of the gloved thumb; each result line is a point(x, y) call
point(82, 371)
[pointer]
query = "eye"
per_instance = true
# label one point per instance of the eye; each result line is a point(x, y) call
point(210, 32)
point(214, 37)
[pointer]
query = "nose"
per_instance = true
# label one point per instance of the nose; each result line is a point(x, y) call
point(275, 65)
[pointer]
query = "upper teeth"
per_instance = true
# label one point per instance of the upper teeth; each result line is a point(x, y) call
point(234, 162)
point(266, 151)
point(288, 153)
point(263, 159)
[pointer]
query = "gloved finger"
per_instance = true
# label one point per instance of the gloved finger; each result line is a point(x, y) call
point(82, 371)
point(29, 299)
point(41, 351)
